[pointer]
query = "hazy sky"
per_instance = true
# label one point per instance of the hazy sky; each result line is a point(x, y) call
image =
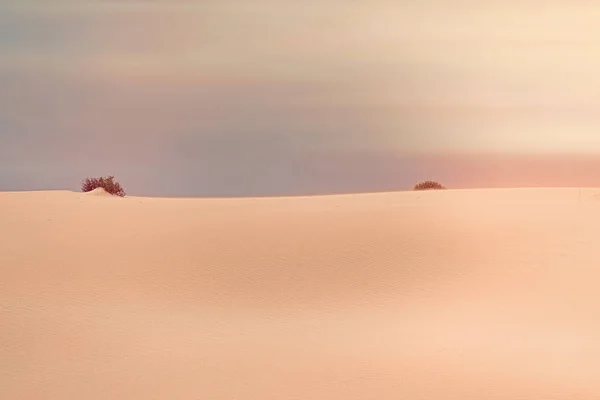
point(238, 97)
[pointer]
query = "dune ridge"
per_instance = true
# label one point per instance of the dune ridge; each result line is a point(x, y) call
point(455, 294)
point(98, 192)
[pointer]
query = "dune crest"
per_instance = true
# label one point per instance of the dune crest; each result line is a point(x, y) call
point(98, 192)
point(454, 295)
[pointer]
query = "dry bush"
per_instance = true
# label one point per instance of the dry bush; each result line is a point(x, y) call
point(428, 185)
point(107, 184)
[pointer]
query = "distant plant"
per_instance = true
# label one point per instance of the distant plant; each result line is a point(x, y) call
point(107, 184)
point(428, 185)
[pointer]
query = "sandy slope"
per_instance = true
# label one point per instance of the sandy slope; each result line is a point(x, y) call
point(454, 295)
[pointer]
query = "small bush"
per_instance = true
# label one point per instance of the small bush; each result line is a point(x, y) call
point(428, 185)
point(107, 184)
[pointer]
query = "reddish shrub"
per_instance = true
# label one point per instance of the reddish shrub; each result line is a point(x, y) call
point(107, 184)
point(428, 185)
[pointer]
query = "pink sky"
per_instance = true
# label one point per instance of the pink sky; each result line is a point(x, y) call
point(165, 83)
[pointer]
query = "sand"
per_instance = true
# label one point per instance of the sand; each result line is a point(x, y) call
point(454, 295)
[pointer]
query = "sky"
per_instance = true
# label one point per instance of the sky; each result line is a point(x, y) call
point(287, 97)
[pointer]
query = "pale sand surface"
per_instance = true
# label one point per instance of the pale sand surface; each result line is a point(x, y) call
point(454, 295)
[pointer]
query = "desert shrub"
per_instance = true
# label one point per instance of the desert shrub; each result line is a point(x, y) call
point(428, 185)
point(107, 184)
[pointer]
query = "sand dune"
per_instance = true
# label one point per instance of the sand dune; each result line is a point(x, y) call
point(454, 295)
